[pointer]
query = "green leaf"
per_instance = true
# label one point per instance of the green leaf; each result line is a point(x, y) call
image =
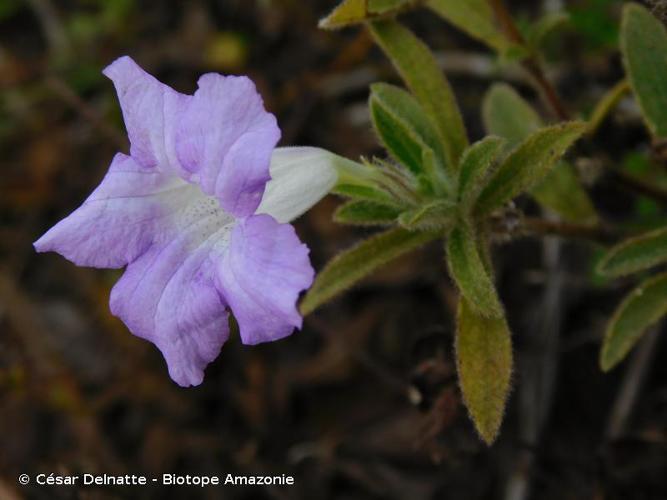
point(434, 215)
point(643, 307)
point(468, 270)
point(476, 162)
point(561, 192)
point(608, 102)
point(402, 126)
point(418, 68)
point(357, 11)
point(635, 254)
point(365, 193)
point(354, 264)
point(366, 213)
point(545, 26)
point(644, 48)
point(476, 18)
point(528, 164)
point(484, 365)
point(507, 114)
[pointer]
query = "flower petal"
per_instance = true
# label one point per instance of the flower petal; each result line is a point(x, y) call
point(169, 296)
point(261, 275)
point(300, 177)
point(151, 111)
point(226, 138)
point(120, 219)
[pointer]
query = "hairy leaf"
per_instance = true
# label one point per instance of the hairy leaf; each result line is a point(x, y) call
point(484, 364)
point(644, 45)
point(528, 164)
point(476, 162)
point(418, 68)
point(635, 254)
point(468, 270)
point(507, 114)
point(354, 264)
point(644, 307)
point(476, 18)
point(434, 215)
point(365, 193)
point(366, 213)
point(402, 126)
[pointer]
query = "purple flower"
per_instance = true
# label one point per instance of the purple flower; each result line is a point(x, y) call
point(183, 213)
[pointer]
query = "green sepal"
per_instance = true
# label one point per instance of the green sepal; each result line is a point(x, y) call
point(366, 213)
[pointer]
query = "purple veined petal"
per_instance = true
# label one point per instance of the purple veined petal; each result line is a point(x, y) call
point(300, 177)
point(261, 274)
point(226, 137)
point(151, 111)
point(169, 295)
point(129, 210)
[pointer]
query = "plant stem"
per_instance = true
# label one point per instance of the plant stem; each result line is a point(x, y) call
point(530, 64)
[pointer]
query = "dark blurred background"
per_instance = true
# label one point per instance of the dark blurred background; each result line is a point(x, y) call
point(363, 402)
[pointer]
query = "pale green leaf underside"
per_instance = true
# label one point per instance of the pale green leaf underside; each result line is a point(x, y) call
point(635, 254)
point(468, 270)
point(645, 306)
point(484, 365)
point(354, 264)
point(417, 66)
point(644, 48)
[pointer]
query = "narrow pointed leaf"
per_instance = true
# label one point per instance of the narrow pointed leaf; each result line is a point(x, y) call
point(349, 267)
point(644, 307)
point(468, 270)
point(402, 126)
point(475, 165)
point(528, 164)
point(363, 193)
point(644, 45)
point(605, 106)
point(507, 114)
point(435, 215)
point(418, 68)
point(484, 365)
point(635, 254)
point(366, 213)
point(474, 17)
